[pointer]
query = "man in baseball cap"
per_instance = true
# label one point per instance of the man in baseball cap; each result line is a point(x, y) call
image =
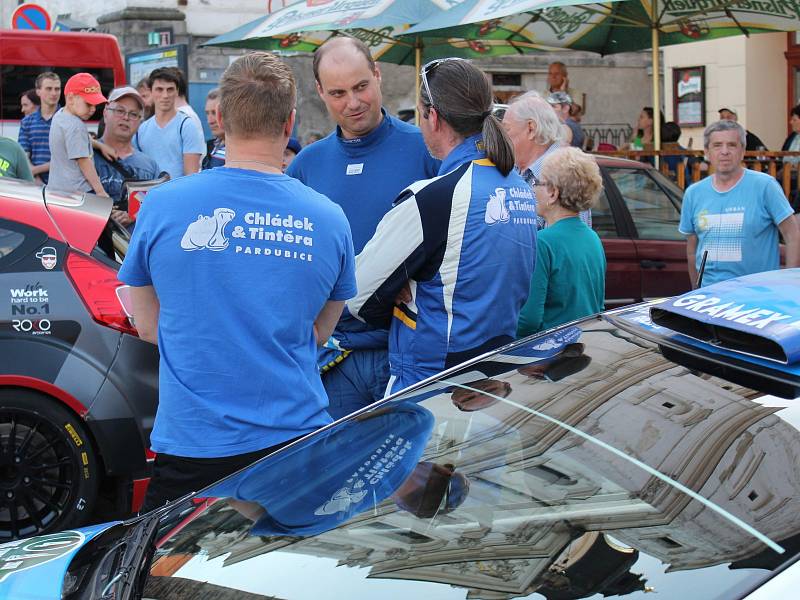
point(121, 117)
point(752, 141)
point(71, 165)
point(561, 103)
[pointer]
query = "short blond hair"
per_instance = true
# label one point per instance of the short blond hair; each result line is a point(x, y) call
point(575, 175)
point(257, 96)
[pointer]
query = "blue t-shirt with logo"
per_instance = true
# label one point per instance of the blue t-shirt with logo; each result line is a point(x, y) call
point(739, 228)
point(167, 145)
point(242, 263)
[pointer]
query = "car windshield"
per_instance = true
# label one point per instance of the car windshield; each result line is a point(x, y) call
point(579, 464)
point(675, 193)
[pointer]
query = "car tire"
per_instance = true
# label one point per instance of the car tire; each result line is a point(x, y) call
point(49, 472)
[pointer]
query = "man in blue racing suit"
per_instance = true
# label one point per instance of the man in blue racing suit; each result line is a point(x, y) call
point(449, 267)
point(362, 166)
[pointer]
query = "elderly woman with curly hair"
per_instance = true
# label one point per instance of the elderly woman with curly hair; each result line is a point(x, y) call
point(569, 280)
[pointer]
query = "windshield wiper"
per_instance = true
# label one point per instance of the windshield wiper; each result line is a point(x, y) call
point(127, 583)
point(117, 572)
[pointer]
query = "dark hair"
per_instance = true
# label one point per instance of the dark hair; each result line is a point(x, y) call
point(463, 98)
point(441, 482)
point(46, 75)
point(257, 96)
point(356, 43)
point(183, 87)
point(144, 82)
point(170, 74)
point(649, 111)
point(795, 111)
point(670, 132)
point(31, 95)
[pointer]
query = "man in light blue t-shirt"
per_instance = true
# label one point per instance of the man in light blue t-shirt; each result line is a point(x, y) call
point(238, 273)
point(362, 166)
point(734, 216)
point(170, 137)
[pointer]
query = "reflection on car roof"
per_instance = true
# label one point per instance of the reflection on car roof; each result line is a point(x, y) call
point(573, 455)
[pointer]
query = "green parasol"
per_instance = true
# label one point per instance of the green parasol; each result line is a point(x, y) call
point(612, 27)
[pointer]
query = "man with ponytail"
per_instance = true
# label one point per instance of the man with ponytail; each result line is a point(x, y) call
point(449, 267)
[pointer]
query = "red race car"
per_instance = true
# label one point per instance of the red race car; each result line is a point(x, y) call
point(78, 388)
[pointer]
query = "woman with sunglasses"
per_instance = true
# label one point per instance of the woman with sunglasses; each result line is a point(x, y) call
point(449, 266)
point(569, 281)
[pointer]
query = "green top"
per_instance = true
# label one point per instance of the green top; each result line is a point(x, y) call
point(569, 280)
point(13, 160)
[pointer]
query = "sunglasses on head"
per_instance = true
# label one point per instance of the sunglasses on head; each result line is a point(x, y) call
point(428, 68)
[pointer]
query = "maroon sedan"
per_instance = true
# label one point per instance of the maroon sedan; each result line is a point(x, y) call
point(637, 219)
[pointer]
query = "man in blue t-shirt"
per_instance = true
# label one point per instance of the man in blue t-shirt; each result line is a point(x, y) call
point(122, 116)
point(238, 274)
point(362, 166)
point(735, 214)
point(170, 137)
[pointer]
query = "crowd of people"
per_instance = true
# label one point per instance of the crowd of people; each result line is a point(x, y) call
point(287, 287)
point(145, 132)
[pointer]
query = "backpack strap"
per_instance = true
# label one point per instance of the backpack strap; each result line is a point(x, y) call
point(180, 129)
point(121, 169)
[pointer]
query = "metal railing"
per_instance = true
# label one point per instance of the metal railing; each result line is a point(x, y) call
point(618, 134)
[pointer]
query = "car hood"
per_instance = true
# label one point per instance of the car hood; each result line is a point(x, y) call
point(34, 568)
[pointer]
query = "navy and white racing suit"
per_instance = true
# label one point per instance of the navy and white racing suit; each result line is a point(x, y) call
point(465, 244)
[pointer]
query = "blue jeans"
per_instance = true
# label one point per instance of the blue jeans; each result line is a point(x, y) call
point(358, 381)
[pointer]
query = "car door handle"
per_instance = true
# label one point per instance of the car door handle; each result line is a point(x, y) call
point(653, 264)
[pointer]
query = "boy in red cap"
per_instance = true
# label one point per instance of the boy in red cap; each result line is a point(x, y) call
point(71, 165)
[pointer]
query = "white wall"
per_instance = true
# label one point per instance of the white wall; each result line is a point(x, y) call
point(767, 112)
point(745, 74)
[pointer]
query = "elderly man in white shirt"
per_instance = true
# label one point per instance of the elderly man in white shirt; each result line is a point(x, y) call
point(535, 131)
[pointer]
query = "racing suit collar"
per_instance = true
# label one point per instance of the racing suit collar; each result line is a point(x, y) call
point(363, 144)
point(470, 149)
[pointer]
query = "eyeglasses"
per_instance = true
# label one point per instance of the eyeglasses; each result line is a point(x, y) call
point(541, 183)
point(428, 68)
point(122, 113)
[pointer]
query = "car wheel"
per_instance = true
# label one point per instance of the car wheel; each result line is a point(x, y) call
point(48, 469)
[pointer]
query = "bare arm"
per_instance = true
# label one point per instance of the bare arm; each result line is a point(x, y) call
point(790, 231)
point(107, 151)
point(691, 254)
point(86, 166)
point(145, 312)
point(42, 168)
point(191, 163)
point(327, 319)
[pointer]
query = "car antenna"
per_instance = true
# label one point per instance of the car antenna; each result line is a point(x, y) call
point(699, 281)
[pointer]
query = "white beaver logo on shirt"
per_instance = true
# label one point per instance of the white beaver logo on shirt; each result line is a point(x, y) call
point(496, 209)
point(208, 232)
point(342, 499)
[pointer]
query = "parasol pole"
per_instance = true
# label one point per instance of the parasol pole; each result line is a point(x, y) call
point(656, 80)
point(417, 67)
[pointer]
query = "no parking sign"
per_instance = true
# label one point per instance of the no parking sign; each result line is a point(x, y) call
point(31, 16)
